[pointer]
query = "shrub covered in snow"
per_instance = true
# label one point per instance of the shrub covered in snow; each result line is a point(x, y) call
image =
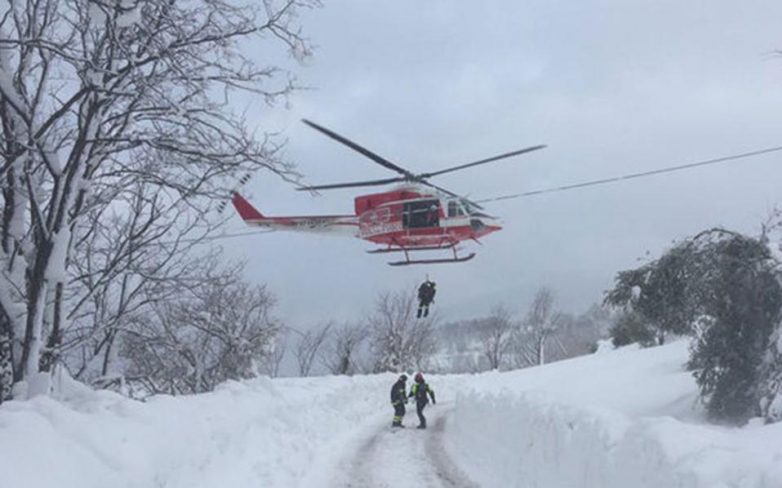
point(742, 297)
point(722, 288)
point(630, 328)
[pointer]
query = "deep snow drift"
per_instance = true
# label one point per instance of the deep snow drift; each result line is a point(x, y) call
point(258, 433)
point(624, 418)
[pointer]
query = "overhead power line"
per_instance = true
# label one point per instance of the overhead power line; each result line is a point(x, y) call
point(631, 176)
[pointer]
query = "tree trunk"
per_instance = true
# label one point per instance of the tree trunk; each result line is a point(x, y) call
point(6, 362)
point(36, 301)
point(107, 354)
point(52, 353)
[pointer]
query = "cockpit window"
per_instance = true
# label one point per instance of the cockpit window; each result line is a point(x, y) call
point(455, 209)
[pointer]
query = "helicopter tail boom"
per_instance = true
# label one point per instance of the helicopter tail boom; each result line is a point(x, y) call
point(319, 224)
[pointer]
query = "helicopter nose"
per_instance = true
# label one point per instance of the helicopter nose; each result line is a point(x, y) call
point(491, 228)
point(481, 227)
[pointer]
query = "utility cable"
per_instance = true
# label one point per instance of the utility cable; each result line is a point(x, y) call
point(631, 176)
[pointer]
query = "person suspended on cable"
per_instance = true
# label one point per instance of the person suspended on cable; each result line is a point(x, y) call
point(426, 294)
point(421, 391)
point(398, 400)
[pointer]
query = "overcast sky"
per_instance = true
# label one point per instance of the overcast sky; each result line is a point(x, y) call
point(612, 86)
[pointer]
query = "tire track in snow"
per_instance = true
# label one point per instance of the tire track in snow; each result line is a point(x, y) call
point(405, 458)
point(447, 470)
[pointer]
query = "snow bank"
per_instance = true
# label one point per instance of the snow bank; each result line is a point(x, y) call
point(256, 433)
point(624, 419)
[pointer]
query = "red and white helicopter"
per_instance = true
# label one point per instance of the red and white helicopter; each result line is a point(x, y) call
point(415, 216)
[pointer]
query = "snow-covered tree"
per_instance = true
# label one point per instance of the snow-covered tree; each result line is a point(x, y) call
point(496, 333)
point(6, 372)
point(271, 362)
point(221, 329)
point(722, 288)
point(309, 347)
point(579, 335)
point(657, 294)
point(97, 98)
point(770, 384)
point(742, 305)
point(399, 340)
point(341, 355)
point(136, 253)
point(531, 339)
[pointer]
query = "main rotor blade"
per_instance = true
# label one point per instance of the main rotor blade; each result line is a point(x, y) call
point(352, 184)
point(484, 161)
point(366, 152)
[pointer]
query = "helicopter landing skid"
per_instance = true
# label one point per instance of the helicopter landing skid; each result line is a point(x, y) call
point(402, 249)
point(433, 261)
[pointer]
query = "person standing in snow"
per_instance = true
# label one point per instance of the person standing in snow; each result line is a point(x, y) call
point(398, 400)
point(426, 294)
point(421, 391)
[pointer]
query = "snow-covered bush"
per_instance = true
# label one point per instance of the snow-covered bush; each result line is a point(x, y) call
point(722, 288)
point(630, 328)
point(657, 295)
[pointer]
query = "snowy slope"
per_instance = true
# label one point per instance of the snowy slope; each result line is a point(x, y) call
point(627, 418)
point(260, 433)
point(624, 418)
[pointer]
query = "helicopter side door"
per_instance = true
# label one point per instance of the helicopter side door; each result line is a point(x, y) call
point(421, 214)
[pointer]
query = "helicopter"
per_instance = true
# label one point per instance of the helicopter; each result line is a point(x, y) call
point(414, 216)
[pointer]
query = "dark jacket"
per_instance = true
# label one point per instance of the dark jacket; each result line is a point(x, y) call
point(426, 292)
point(398, 393)
point(419, 391)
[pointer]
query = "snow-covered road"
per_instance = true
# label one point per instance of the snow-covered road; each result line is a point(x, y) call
point(387, 458)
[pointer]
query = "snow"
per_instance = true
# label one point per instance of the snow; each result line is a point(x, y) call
point(61, 242)
point(604, 345)
point(256, 433)
point(621, 418)
point(627, 418)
